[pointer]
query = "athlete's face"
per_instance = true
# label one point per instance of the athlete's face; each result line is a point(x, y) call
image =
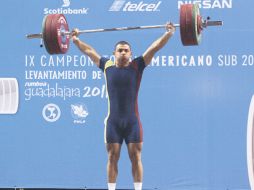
point(122, 54)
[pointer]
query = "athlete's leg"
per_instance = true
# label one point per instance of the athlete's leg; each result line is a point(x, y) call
point(134, 150)
point(113, 150)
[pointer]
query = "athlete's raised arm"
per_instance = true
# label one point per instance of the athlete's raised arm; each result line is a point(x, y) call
point(85, 48)
point(159, 43)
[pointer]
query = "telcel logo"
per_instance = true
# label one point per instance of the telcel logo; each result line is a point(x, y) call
point(122, 5)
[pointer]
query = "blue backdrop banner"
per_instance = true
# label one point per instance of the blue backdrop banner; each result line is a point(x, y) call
point(193, 100)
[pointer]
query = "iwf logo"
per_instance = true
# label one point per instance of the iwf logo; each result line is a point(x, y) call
point(66, 3)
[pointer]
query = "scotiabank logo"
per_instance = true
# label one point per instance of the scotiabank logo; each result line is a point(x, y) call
point(129, 6)
point(66, 9)
point(66, 3)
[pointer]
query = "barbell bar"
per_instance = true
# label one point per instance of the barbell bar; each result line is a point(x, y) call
point(56, 34)
point(31, 36)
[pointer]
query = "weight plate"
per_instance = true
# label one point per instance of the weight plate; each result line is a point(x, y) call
point(196, 19)
point(59, 26)
point(189, 24)
point(47, 34)
point(2, 96)
point(7, 93)
point(55, 41)
point(14, 95)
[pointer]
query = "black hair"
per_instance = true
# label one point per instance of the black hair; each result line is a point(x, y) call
point(122, 43)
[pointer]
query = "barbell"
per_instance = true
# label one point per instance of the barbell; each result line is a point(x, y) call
point(56, 35)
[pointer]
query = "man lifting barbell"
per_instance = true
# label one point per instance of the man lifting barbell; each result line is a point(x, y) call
point(56, 35)
point(123, 78)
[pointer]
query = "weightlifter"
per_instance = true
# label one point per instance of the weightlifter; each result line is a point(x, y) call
point(123, 79)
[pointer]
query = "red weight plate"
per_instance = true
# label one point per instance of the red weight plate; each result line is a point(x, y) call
point(196, 23)
point(200, 28)
point(58, 27)
point(182, 22)
point(53, 30)
point(47, 35)
point(54, 41)
point(187, 27)
point(44, 34)
point(64, 40)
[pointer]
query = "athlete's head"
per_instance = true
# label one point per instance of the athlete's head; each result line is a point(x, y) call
point(122, 43)
point(122, 52)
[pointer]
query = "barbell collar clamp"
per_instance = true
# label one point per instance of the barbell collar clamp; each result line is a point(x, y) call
point(212, 23)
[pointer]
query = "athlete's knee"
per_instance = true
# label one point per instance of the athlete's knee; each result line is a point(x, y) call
point(113, 157)
point(113, 152)
point(135, 157)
